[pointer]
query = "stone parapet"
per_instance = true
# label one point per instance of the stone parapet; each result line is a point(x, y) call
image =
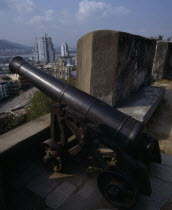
point(23, 134)
point(113, 64)
point(17, 147)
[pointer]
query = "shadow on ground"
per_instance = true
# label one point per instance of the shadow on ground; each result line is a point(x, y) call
point(40, 189)
point(160, 124)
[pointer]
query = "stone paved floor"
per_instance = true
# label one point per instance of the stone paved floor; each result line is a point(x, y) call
point(38, 188)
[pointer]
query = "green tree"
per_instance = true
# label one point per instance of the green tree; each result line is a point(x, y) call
point(11, 122)
point(169, 38)
point(69, 81)
point(40, 105)
point(160, 37)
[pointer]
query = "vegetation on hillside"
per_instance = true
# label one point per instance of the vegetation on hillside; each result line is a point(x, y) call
point(11, 123)
point(40, 104)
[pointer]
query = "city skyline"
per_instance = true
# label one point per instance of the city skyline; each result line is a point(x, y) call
point(67, 21)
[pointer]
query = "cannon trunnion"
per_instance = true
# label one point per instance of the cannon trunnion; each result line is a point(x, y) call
point(80, 122)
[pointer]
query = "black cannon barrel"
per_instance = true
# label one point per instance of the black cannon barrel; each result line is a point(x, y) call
point(123, 128)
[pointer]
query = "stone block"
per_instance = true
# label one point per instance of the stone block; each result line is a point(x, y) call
point(58, 196)
point(143, 104)
point(160, 60)
point(111, 64)
point(162, 65)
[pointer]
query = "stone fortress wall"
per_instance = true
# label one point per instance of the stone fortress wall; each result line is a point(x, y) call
point(113, 65)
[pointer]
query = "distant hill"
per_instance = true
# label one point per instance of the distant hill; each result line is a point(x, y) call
point(5, 44)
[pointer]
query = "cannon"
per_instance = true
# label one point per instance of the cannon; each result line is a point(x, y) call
point(80, 121)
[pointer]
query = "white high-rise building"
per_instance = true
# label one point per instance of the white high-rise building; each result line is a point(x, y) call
point(64, 50)
point(44, 50)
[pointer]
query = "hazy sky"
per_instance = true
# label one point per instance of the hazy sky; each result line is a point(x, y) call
point(68, 20)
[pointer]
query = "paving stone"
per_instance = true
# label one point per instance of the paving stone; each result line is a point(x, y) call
point(75, 179)
point(24, 199)
point(161, 192)
point(166, 159)
point(58, 196)
point(145, 206)
point(161, 171)
point(93, 201)
point(87, 189)
point(168, 205)
point(75, 202)
point(42, 185)
point(88, 197)
point(104, 209)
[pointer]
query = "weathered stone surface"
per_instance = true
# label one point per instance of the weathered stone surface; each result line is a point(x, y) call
point(86, 197)
point(57, 197)
point(23, 133)
point(42, 185)
point(160, 60)
point(162, 172)
point(166, 159)
point(168, 70)
point(142, 105)
point(86, 190)
point(162, 66)
point(112, 64)
point(161, 192)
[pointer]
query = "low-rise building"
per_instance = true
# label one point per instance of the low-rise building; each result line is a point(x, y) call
point(49, 68)
point(5, 68)
point(14, 83)
point(62, 70)
point(8, 87)
point(74, 61)
point(14, 88)
point(4, 89)
point(1, 72)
